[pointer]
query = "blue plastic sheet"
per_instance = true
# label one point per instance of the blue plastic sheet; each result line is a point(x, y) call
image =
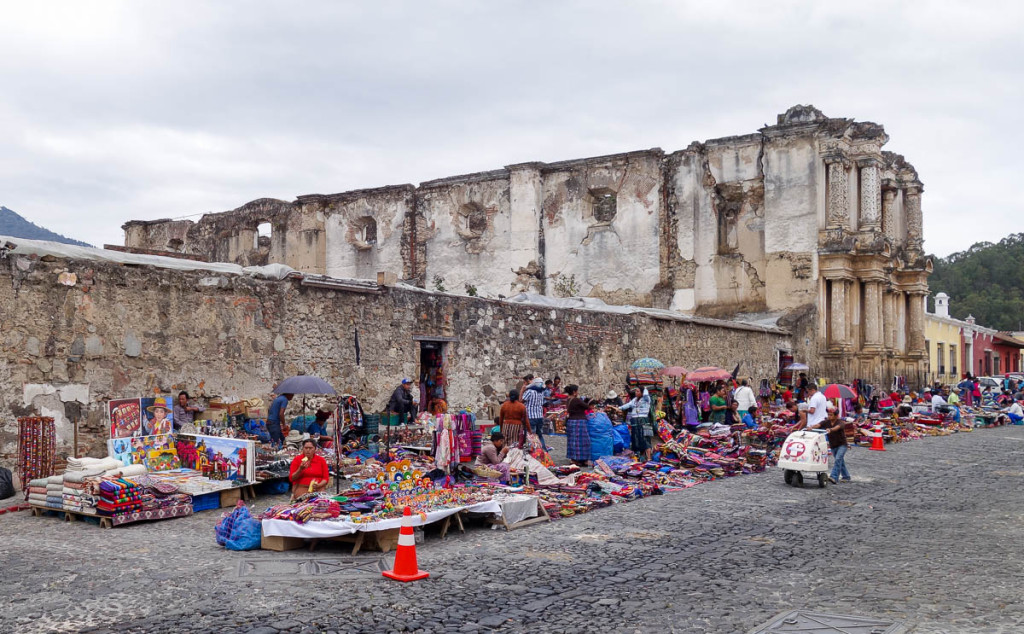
point(621, 439)
point(602, 439)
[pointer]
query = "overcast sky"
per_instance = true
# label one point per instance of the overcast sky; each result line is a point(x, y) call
point(112, 111)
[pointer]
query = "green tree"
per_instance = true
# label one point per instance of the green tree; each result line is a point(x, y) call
point(986, 280)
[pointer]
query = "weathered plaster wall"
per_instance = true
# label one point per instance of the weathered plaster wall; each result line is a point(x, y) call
point(616, 259)
point(794, 204)
point(469, 234)
point(348, 254)
point(126, 331)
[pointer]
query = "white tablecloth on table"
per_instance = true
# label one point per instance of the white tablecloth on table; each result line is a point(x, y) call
point(517, 508)
point(342, 526)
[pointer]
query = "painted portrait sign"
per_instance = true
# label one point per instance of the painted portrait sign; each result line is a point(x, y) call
point(125, 417)
point(158, 414)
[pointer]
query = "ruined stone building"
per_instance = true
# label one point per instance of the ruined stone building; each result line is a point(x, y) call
point(807, 220)
point(76, 332)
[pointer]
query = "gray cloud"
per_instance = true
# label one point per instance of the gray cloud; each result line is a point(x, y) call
point(122, 110)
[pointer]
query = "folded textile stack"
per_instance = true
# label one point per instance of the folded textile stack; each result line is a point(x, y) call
point(76, 494)
point(37, 492)
point(90, 464)
point(55, 492)
point(126, 472)
point(158, 494)
point(119, 496)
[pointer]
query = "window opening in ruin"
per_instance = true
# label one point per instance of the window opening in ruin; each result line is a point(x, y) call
point(433, 376)
point(368, 233)
point(728, 239)
point(605, 204)
point(264, 230)
point(474, 221)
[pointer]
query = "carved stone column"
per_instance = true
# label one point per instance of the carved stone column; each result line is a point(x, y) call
point(870, 195)
point(916, 319)
point(915, 236)
point(886, 319)
point(872, 314)
point(838, 316)
point(889, 215)
point(901, 329)
point(838, 193)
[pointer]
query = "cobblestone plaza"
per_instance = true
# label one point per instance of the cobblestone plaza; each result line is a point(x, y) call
point(926, 533)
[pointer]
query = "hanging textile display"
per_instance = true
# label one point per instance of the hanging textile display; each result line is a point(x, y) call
point(36, 447)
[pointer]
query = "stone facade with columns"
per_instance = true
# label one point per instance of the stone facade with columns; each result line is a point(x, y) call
point(806, 223)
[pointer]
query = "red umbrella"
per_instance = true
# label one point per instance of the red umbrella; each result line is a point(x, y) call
point(838, 390)
point(674, 370)
point(709, 373)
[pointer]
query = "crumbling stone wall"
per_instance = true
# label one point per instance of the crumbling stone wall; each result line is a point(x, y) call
point(296, 234)
point(72, 342)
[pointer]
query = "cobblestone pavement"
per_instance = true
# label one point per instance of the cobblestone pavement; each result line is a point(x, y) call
point(928, 531)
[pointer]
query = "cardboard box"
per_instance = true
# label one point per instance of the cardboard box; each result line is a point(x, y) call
point(213, 415)
point(278, 543)
point(230, 497)
point(259, 413)
point(237, 409)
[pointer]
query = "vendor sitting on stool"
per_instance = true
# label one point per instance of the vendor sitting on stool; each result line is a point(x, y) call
point(309, 472)
point(492, 455)
point(319, 425)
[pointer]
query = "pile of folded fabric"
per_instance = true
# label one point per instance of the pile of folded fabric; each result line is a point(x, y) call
point(157, 494)
point(37, 492)
point(118, 496)
point(55, 492)
point(79, 491)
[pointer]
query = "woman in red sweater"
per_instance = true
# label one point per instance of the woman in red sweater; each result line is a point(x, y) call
point(309, 471)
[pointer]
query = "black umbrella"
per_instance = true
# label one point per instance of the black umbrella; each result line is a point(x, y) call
point(304, 384)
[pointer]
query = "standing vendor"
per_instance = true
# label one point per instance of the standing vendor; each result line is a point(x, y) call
point(184, 411)
point(309, 472)
point(275, 416)
point(837, 443)
point(401, 401)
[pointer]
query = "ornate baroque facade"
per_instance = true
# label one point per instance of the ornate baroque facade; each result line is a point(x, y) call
point(806, 222)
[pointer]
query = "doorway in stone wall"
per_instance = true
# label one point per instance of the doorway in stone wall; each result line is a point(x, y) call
point(433, 376)
point(785, 359)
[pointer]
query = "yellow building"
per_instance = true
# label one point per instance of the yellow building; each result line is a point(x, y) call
point(943, 342)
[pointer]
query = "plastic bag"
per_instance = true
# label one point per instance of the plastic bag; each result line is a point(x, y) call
point(245, 534)
point(226, 526)
point(602, 438)
point(621, 439)
point(6, 483)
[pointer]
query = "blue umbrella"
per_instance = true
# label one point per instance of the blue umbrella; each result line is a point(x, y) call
point(304, 384)
point(647, 363)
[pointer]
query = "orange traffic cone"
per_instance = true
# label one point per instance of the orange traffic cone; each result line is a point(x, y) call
point(406, 568)
point(877, 442)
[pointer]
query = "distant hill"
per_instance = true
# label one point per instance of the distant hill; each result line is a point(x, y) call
point(11, 224)
point(986, 281)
